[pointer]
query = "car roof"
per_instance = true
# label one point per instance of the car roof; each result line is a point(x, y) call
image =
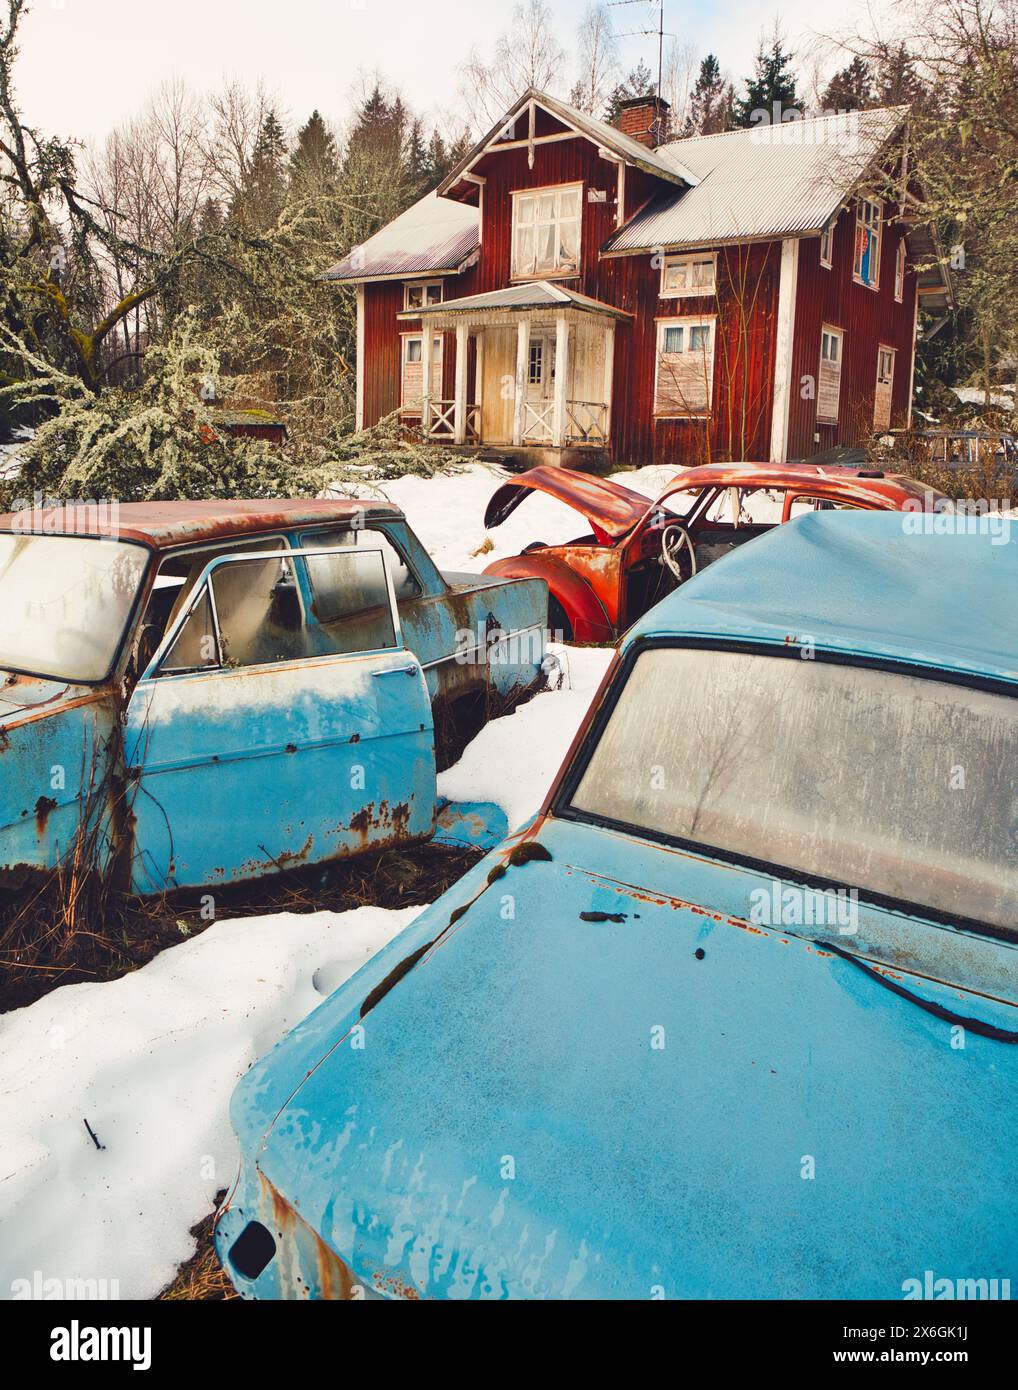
point(163, 525)
point(871, 584)
point(873, 480)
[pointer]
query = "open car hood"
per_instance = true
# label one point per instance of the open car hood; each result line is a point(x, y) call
point(608, 506)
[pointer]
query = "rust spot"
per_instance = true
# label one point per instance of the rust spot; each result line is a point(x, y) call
point(496, 873)
point(44, 807)
point(393, 978)
point(457, 913)
point(396, 1285)
point(355, 738)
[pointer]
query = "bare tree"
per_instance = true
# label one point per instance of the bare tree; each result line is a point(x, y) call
point(237, 114)
point(526, 55)
point(677, 80)
point(597, 60)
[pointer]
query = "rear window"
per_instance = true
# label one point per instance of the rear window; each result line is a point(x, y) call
point(895, 784)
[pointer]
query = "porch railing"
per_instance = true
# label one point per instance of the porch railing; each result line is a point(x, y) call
point(442, 421)
point(587, 422)
point(538, 420)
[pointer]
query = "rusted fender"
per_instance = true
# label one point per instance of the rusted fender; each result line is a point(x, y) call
point(584, 610)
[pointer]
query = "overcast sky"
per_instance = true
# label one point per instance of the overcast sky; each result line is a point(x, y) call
point(85, 65)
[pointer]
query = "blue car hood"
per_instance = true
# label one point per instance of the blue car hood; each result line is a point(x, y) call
point(587, 1090)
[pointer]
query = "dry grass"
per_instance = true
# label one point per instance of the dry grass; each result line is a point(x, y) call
point(38, 952)
point(203, 1278)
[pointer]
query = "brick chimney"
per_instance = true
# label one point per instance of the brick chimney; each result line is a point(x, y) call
point(644, 119)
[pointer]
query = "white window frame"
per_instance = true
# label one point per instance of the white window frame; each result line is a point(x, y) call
point(424, 286)
point(900, 257)
point(523, 195)
point(689, 291)
point(436, 366)
point(872, 221)
point(687, 321)
point(884, 350)
point(829, 330)
point(827, 245)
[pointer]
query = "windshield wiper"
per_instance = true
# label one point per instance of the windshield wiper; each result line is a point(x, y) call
point(974, 1025)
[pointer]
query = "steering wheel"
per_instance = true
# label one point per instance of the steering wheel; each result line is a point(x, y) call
point(674, 540)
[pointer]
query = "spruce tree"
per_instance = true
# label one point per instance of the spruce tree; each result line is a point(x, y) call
point(770, 89)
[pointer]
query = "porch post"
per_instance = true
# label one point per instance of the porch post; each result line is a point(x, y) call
point(460, 407)
point(558, 426)
point(427, 347)
point(609, 376)
point(522, 375)
point(479, 381)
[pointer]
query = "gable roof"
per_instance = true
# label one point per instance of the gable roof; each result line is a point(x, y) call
point(533, 294)
point(671, 169)
point(767, 182)
point(434, 236)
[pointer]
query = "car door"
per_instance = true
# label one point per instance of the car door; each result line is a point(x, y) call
point(282, 723)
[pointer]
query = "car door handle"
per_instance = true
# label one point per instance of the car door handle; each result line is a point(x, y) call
point(410, 670)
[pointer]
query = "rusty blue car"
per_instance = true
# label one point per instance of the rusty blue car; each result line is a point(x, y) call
point(204, 693)
point(735, 1015)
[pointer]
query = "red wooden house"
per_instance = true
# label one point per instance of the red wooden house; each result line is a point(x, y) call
point(574, 287)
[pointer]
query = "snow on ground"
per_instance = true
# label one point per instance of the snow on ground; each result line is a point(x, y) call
point(447, 513)
point(150, 1060)
point(512, 761)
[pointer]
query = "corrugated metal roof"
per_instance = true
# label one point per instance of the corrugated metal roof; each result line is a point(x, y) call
point(770, 181)
point(601, 133)
point(433, 236)
point(534, 294)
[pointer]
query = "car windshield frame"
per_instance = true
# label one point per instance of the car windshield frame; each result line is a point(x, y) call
point(129, 623)
point(559, 802)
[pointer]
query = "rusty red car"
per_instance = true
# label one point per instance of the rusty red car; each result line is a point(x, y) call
point(639, 548)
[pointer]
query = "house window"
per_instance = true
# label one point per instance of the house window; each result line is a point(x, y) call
point(866, 267)
point(427, 292)
point(412, 380)
point(832, 350)
point(885, 388)
point(899, 272)
point(536, 372)
point(685, 367)
point(688, 275)
point(546, 231)
point(827, 245)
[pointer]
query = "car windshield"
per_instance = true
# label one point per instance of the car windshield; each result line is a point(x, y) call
point(65, 602)
point(891, 783)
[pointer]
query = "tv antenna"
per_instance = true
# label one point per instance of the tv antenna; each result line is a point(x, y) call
point(659, 31)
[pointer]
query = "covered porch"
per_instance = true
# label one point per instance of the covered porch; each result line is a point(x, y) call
point(533, 368)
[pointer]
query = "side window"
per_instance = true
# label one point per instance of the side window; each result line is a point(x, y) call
point(799, 506)
point(196, 647)
point(735, 506)
point(404, 582)
point(252, 612)
point(260, 612)
point(172, 590)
